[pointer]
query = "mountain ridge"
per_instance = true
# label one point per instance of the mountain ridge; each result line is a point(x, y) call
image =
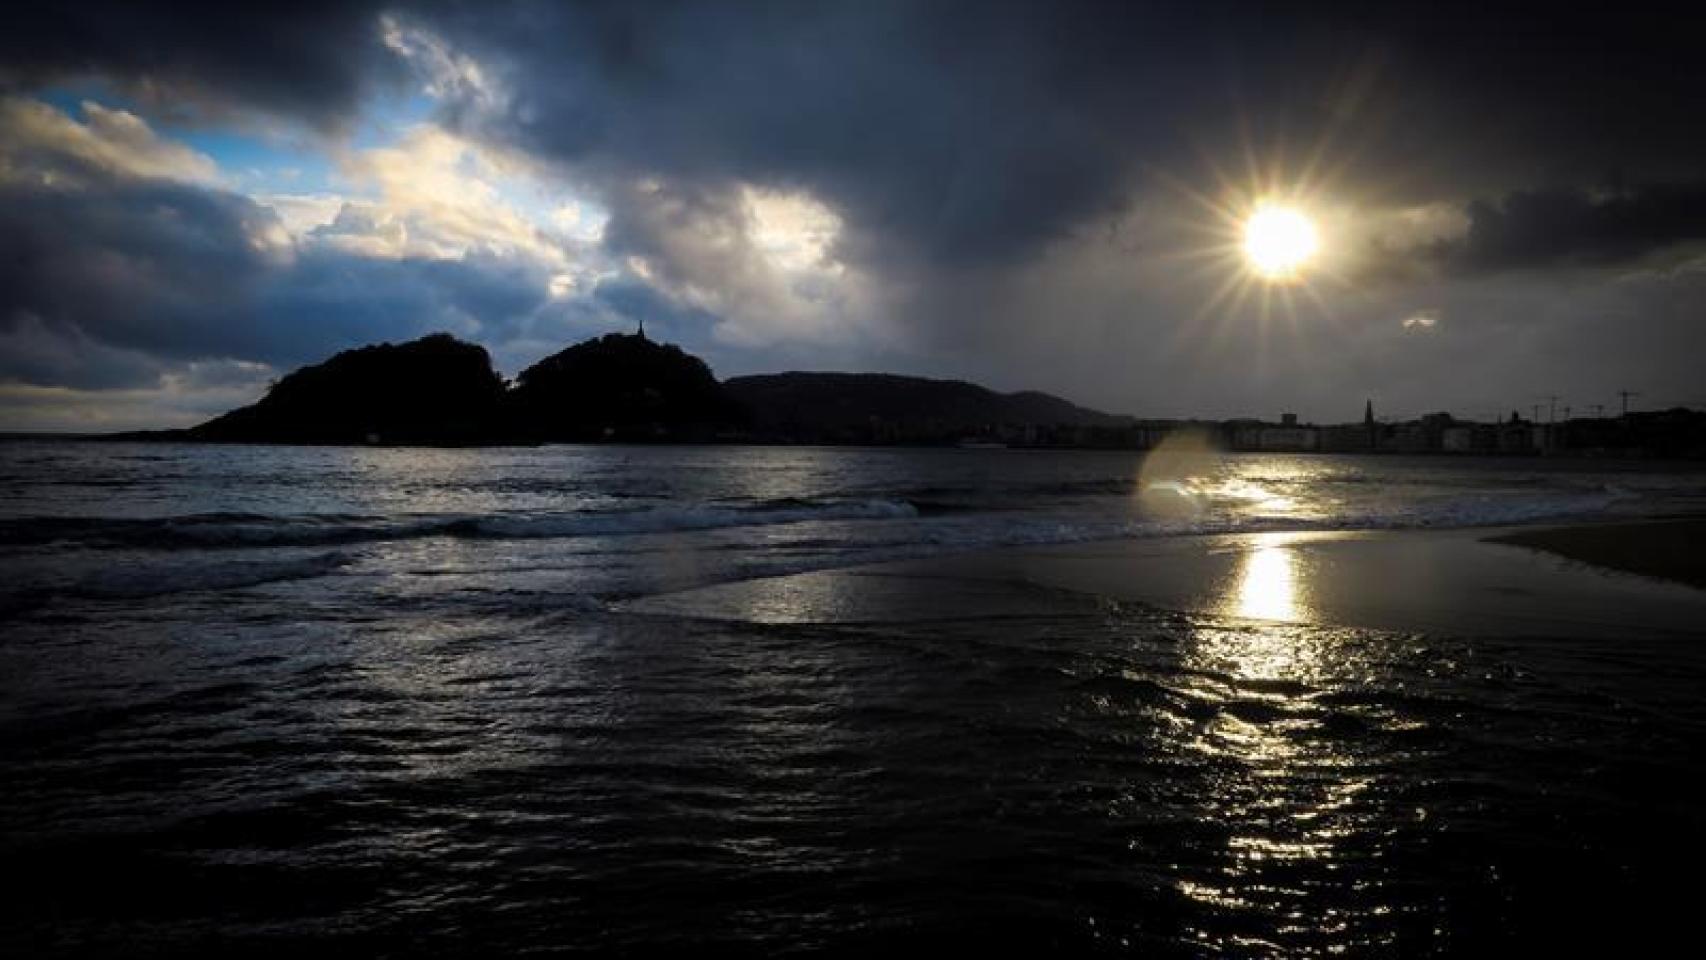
point(887, 407)
point(439, 390)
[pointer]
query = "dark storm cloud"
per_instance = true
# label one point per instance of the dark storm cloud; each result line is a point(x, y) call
point(962, 131)
point(35, 352)
point(309, 59)
point(974, 152)
point(103, 286)
point(637, 302)
point(1577, 90)
point(151, 266)
point(329, 300)
point(977, 131)
point(1546, 228)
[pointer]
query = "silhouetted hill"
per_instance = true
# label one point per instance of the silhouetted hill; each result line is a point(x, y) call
point(620, 387)
point(435, 390)
point(880, 407)
point(440, 390)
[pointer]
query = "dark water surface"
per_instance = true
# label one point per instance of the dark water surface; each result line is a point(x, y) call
point(385, 703)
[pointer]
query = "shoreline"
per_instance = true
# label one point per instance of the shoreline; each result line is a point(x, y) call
point(1669, 548)
point(1469, 581)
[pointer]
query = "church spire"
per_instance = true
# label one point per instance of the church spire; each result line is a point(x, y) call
point(642, 328)
point(1368, 414)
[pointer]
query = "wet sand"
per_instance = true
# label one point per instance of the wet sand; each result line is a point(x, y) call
point(1667, 549)
point(1447, 581)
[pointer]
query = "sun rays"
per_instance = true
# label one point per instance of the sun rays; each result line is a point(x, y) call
point(1265, 238)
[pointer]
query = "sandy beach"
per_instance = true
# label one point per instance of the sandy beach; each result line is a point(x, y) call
point(1665, 549)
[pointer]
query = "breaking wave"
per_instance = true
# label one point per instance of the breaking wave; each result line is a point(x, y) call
point(253, 530)
point(877, 525)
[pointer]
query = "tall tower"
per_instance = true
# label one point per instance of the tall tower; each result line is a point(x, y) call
point(1368, 425)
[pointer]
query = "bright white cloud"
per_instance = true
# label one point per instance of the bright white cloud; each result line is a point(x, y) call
point(445, 73)
point(41, 145)
point(761, 261)
point(561, 286)
point(436, 195)
point(792, 230)
point(43, 148)
point(301, 213)
point(579, 220)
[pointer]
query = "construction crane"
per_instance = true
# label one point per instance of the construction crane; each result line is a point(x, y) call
point(1551, 409)
point(1626, 394)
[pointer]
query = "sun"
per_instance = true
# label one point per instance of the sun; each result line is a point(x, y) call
point(1264, 240)
point(1279, 241)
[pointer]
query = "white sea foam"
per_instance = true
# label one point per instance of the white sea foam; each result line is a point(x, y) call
point(211, 531)
point(704, 517)
point(535, 528)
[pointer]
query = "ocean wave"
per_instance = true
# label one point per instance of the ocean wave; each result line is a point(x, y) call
point(971, 533)
point(669, 519)
point(942, 527)
point(1478, 511)
point(1446, 512)
point(202, 531)
point(154, 579)
point(235, 551)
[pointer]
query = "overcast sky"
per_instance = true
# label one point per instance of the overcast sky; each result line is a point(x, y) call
point(1510, 201)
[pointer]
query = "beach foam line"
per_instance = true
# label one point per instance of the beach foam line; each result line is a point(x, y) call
point(204, 531)
point(942, 528)
point(668, 519)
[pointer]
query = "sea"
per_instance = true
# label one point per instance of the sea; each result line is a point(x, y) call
point(387, 702)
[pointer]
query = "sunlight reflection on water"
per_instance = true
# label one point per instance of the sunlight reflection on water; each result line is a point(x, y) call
point(466, 719)
point(1296, 796)
point(1271, 582)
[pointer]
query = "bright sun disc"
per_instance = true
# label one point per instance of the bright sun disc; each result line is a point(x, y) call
point(1279, 241)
